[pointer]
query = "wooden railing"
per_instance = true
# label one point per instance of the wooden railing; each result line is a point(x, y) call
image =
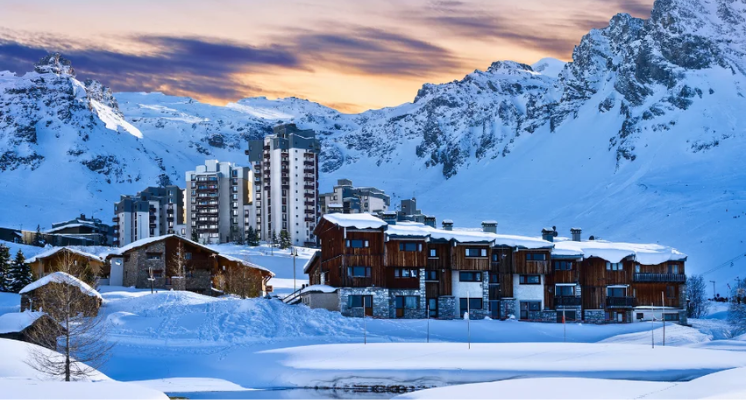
point(676, 278)
point(567, 301)
point(620, 302)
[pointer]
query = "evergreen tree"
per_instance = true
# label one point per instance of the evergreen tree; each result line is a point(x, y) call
point(252, 238)
point(38, 241)
point(195, 235)
point(273, 239)
point(285, 241)
point(4, 268)
point(20, 273)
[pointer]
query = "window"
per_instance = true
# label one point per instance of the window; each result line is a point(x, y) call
point(405, 273)
point(569, 315)
point(495, 257)
point(358, 301)
point(616, 292)
point(433, 253)
point(410, 246)
point(473, 304)
point(476, 252)
point(187, 256)
point(470, 276)
point(494, 278)
point(530, 309)
point(671, 292)
point(432, 306)
point(564, 291)
point(358, 272)
point(157, 273)
point(671, 317)
point(536, 257)
point(431, 275)
point(562, 265)
point(639, 316)
point(357, 243)
point(529, 279)
point(614, 266)
point(154, 256)
point(407, 302)
point(673, 268)
point(637, 268)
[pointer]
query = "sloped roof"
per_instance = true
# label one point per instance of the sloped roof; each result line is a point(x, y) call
point(357, 221)
point(245, 263)
point(316, 254)
point(61, 277)
point(648, 254)
point(16, 322)
point(55, 250)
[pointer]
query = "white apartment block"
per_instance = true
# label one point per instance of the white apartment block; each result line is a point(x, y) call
point(286, 180)
point(219, 202)
point(347, 199)
point(152, 212)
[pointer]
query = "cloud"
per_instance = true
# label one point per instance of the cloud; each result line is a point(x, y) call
point(636, 8)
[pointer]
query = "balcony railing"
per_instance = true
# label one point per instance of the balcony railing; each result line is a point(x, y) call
point(310, 219)
point(309, 187)
point(677, 278)
point(115, 219)
point(620, 302)
point(309, 163)
point(567, 301)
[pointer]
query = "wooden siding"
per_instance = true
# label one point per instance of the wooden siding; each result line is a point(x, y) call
point(443, 259)
point(503, 269)
point(460, 262)
point(650, 293)
point(661, 268)
point(336, 257)
point(393, 282)
point(526, 267)
point(393, 257)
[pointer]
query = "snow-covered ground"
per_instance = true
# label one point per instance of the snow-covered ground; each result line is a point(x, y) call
point(18, 380)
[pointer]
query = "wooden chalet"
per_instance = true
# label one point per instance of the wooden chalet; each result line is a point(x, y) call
point(44, 290)
point(389, 269)
point(53, 259)
point(174, 262)
point(31, 327)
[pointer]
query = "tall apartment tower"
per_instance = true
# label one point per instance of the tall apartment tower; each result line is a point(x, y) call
point(219, 202)
point(152, 212)
point(286, 165)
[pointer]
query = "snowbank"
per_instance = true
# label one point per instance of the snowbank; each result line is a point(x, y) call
point(728, 384)
point(61, 277)
point(16, 322)
point(182, 385)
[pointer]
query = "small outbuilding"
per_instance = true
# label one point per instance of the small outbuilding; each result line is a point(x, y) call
point(30, 327)
point(52, 259)
point(37, 293)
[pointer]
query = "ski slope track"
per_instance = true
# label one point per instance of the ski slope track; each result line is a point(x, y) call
point(640, 138)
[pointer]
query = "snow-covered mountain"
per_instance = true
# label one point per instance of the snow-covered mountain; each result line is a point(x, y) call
point(640, 137)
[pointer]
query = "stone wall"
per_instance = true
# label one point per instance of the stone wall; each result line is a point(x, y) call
point(595, 316)
point(447, 307)
point(380, 301)
point(419, 313)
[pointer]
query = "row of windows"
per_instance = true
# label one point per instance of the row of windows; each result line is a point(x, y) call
point(405, 273)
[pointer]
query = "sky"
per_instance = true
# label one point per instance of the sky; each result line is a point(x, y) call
point(345, 54)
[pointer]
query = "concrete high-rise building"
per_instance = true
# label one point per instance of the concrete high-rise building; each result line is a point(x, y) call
point(347, 199)
point(286, 180)
point(152, 212)
point(219, 202)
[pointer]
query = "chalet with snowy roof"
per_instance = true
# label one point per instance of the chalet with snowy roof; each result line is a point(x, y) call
point(394, 269)
point(92, 230)
point(174, 262)
point(26, 327)
point(53, 259)
point(35, 294)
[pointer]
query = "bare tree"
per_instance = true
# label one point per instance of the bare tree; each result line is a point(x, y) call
point(242, 281)
point(73, 327)
point(696, 291)
point(179, 265)
point(737, 310)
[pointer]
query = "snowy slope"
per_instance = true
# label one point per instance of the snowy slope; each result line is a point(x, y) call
point(638, 139)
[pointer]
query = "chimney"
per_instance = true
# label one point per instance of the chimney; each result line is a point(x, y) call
point(489, 226)
point(547, 234)
point(389, 218)
point(447, 224)
point(430, 221)
point(576, 234)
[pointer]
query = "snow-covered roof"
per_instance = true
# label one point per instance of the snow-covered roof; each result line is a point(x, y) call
point(310, 261)
point(357, 221)
point(490, 222)
point(245, 263)
point(55, 250)
point(319, 288)
point(447, 221)
point(16, 322)
point(72, 225)
point(415, 229)
point(522, 242)
point(61, 277)
point(648, 254)
point(409, 229)
point(335, 205)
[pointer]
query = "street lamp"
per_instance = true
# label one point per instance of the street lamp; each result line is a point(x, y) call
point(294, 253)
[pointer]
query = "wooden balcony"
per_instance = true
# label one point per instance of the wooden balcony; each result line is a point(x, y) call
point(672, 278)
point(567, 301)
point(620, 302)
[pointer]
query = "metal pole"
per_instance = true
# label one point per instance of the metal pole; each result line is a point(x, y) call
point(663, 317)
point(468, 319)
point(294, 252)
point(652, 324)
point(713, 290)
point(365, 328)
point(427, 309)
point(564, 325)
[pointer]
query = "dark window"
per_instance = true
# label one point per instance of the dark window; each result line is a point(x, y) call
point(529, 279)
point(187, 256)
point(673, 268)
point(432, 305)
point(495, 257)
point(157, 273)
point(357, 243)
point(671, 292)
point(433, 253)
point(569, 315)
point(474, 304)
point(154, 256)
point(357, 301)
point(562, 265)
point(407, 302)
point(494, 278)
point(671, 317)
point(530, 309)
point(431, 275)
point(358, 272)
point(476, 252)
point(616, 292)
point(470, 276)
point(536, 257)
point(566, 291)
point(409, 246)
point(639, 316)
point(405, 273)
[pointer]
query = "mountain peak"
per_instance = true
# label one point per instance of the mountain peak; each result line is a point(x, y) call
point(504, 66)
point(56, 64)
